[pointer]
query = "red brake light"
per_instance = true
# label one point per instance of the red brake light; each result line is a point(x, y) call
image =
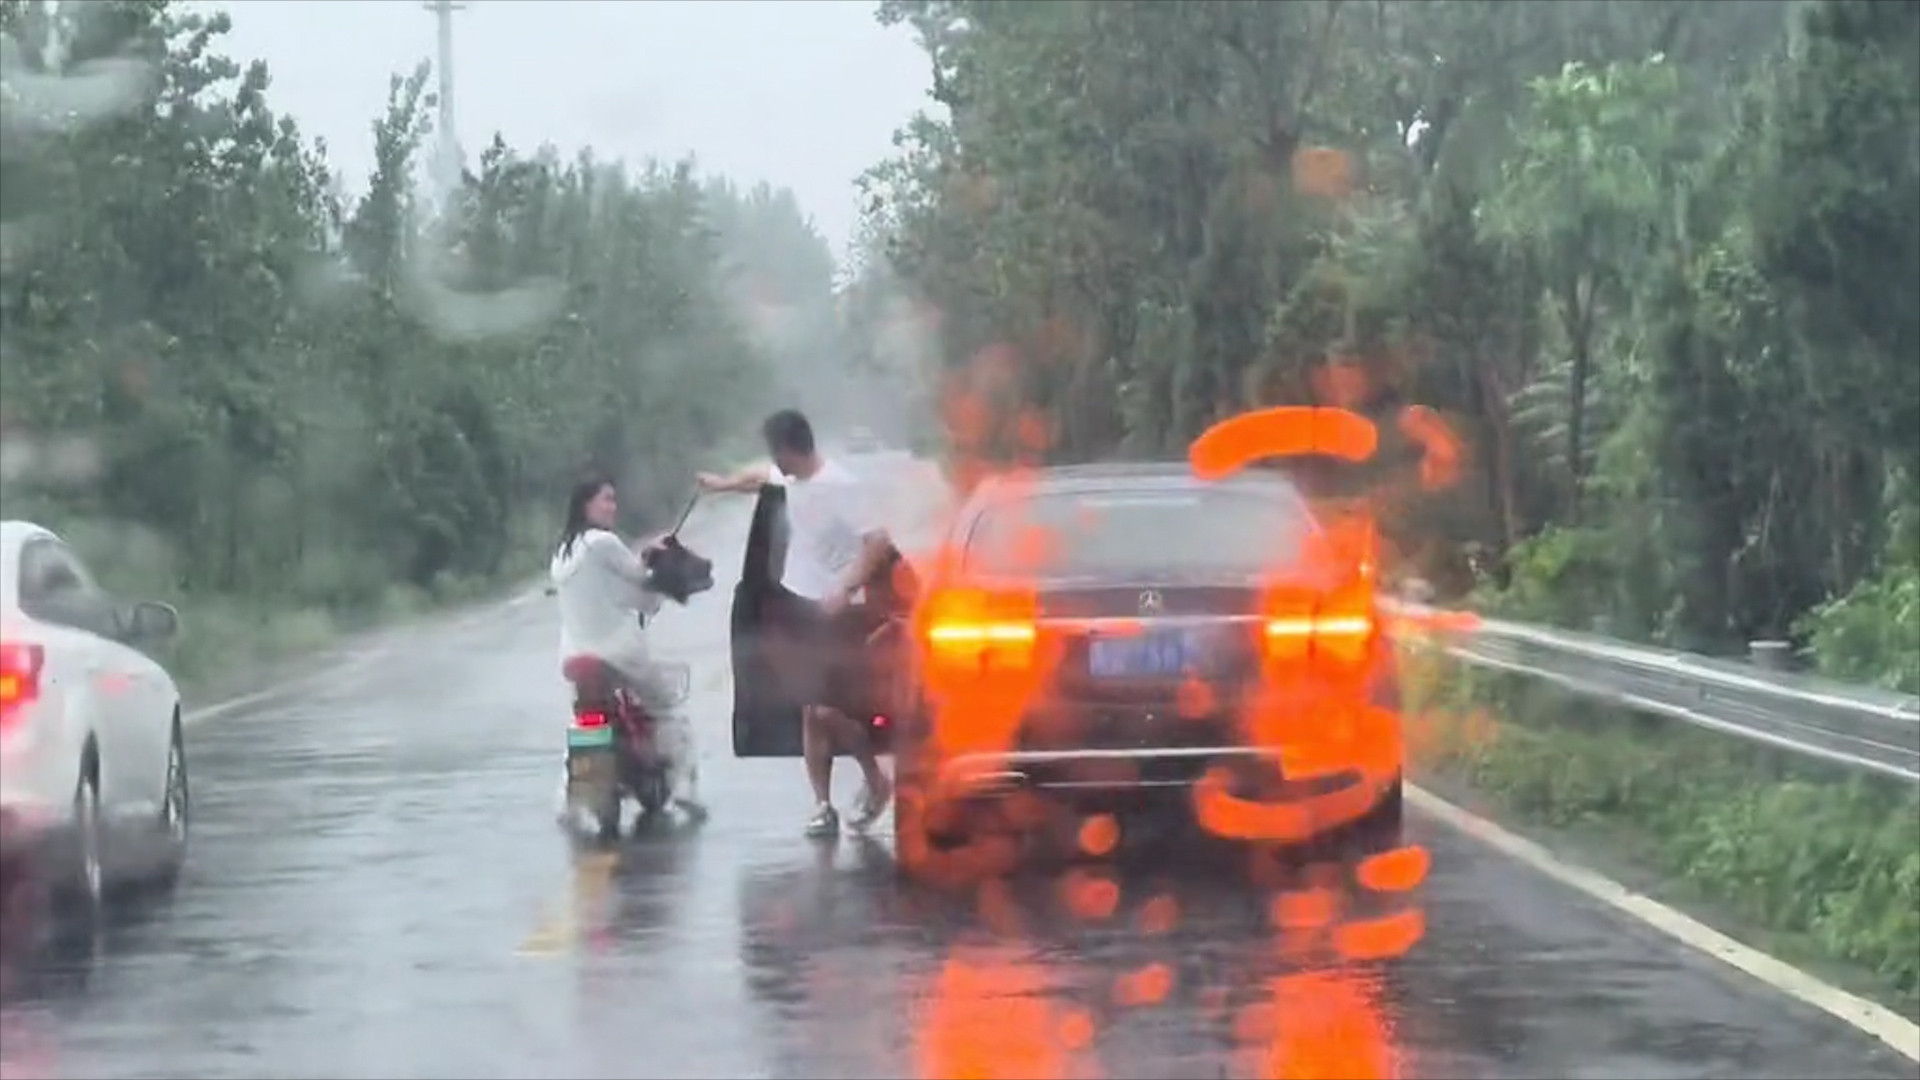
point(592, 718)
point(979, 632)
point(19, 674)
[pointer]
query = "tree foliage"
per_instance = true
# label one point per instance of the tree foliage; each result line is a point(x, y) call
point(1654, 261)
point(308, 397)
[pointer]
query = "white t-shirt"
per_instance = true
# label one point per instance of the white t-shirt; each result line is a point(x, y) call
point(599, 582)
point(829, 514)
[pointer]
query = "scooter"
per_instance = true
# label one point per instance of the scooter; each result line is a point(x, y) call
point(612, 752)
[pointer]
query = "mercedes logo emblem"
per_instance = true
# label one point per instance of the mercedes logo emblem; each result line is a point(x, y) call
point(1151, 602)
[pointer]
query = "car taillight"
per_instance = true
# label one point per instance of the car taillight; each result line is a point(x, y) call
point(1339, 628)
point(979, 632)
point(19, 675)
point(1297, 636)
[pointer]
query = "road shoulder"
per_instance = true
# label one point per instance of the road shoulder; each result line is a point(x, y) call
point(1874, 1019)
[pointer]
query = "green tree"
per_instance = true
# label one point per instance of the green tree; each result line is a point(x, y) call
point(297, 400)
point(1627, 248)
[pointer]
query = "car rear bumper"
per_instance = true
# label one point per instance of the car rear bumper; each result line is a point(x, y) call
point(38, 775)
point(1170, 767)
point(33, 840)
point(1339, 762)
point(1233, 792)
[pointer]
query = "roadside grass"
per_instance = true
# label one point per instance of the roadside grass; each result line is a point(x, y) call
point(230, 643)
point(1815, 865)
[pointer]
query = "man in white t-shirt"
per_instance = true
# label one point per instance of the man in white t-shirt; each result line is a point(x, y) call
point(835, 545)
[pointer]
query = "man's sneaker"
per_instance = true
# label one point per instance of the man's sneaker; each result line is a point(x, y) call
point(824, 822)
point(873, 803)
point(694, 809)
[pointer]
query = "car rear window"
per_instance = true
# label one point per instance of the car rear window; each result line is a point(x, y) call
point(1206, 529)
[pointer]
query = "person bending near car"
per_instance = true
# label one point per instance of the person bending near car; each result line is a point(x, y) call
point(604, 608)
point(835, 546)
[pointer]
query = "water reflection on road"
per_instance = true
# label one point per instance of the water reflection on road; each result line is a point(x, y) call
point(1184, 973)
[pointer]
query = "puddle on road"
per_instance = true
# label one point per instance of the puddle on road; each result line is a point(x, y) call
point(1108, 969)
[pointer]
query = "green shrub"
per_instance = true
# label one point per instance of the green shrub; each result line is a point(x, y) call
point(1872, 634)
point(1779, 844)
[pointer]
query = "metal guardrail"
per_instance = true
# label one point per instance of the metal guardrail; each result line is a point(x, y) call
point(1859, 727)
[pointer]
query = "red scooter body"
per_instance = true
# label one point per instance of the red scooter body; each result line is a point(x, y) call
point(611, 753)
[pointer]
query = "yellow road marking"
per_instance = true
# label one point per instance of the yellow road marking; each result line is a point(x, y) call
point(588, 886)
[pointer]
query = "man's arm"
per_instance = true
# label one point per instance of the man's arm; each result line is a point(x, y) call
point(863, 516)
point(751, 478)
point(874, 547)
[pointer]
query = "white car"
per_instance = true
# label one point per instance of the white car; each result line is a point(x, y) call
point(93, 769)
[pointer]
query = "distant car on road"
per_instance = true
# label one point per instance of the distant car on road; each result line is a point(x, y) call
point(93, 765)
point(1107, 636)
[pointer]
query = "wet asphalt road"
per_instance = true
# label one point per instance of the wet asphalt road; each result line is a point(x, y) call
point(376, 889)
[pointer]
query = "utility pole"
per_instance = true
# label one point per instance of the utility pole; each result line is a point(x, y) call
point(448, 166)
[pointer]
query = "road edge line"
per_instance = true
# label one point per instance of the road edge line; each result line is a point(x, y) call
point(1870, 1017)
point(453, 620)
point(222, 708)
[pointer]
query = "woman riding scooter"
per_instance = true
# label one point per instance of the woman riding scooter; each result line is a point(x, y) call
point(604, 608)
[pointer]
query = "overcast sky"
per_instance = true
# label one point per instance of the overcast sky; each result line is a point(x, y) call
point(804, 94)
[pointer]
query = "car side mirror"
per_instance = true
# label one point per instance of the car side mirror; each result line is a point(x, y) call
point(150, 620)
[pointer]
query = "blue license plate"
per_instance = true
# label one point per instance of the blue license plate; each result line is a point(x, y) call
point(1162, 654)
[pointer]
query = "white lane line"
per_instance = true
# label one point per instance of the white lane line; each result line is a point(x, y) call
point(230, 705)
point(1871, 1017)
point(353, 656)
